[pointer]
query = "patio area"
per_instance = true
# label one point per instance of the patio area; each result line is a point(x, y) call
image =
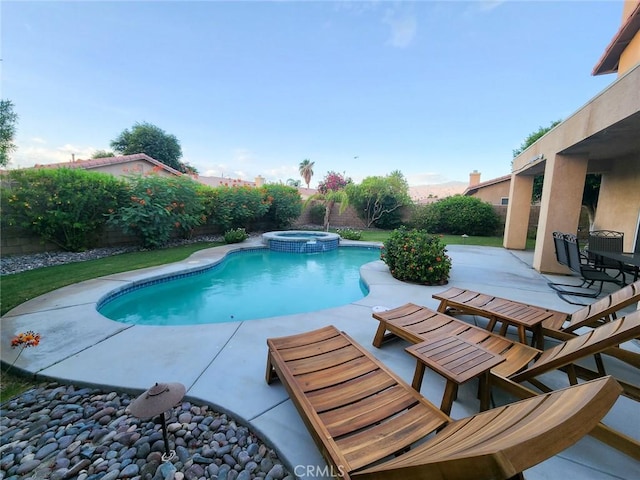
point(224, 364)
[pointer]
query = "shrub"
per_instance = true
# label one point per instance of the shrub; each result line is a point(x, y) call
point(159, 207)
point(235, 206)
point(349, 233)
point(416, 256)
point(316, 213)
point(423, 217)
point(458, 215)
point(285, 205)
point(235, 235)
point(65, 206)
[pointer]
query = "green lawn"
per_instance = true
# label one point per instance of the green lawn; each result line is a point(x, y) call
point(20, 287)
point(382, 235)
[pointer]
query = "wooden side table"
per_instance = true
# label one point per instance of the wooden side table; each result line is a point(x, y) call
point(522, 321)
point(458, 361)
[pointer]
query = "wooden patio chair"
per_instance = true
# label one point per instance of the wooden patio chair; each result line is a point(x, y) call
point(556, 324)
point(369, 424)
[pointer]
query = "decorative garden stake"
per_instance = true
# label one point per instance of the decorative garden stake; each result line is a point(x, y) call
point(156, 401)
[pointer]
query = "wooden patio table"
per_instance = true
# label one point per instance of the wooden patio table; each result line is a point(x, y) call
point(630, 259)
point(458, 361)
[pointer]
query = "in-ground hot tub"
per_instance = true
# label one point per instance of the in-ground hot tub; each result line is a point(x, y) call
point(301, 241)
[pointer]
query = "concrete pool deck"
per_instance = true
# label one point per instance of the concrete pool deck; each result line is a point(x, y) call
point(224, 364)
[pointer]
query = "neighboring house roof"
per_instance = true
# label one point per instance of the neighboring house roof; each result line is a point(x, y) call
point(236, 182)
point(102, 162)
point(307, 192)
point(608, 63)
point(474, 188)
point(224, 181)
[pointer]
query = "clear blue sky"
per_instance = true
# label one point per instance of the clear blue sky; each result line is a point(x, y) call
point(433, 89)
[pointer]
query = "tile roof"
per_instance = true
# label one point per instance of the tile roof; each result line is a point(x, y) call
point(608, 63)
point(101, 162)
point(474, 188)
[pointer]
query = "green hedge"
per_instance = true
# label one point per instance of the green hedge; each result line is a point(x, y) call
point(158, 208)
point(70, 207)
point(457, 215)
point(67, 207)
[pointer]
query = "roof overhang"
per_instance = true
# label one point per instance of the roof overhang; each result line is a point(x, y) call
point(609, 61)
point(618, 140)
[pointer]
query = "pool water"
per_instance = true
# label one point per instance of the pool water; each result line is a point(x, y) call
point(248, 286)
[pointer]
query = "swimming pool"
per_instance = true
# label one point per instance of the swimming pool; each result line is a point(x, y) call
point(248, 285)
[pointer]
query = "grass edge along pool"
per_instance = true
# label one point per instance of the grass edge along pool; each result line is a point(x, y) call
point(245, 285)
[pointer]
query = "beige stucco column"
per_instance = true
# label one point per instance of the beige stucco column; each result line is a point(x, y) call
point(517, 224)
point(561, 202)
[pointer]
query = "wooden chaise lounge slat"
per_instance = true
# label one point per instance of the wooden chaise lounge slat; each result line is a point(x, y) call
point(518, 365)
point(415, 324)
point(328, 391)
point(427, 324)
point(555, 324)
point(358, 430)
point(594, 341)
point(497, 309)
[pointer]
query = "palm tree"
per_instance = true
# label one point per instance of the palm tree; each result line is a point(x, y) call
point(306, 170)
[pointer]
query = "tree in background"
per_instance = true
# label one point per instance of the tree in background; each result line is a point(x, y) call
point(534, 137)
point(103, 154)
point(591, 185)
point(292, 182)
point(306, 170)
point(378, 200)
point(590, 196)
point(153, 141)
point(331, 190)
point(8, 119)
point(526, 143)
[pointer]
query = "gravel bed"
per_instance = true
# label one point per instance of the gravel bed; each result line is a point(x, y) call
point(60, 432)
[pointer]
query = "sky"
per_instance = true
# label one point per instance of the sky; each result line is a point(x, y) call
point(432, 89)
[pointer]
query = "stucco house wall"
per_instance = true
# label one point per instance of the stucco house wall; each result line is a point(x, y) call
point(619, 200)
point(495, 194)
point(120, 166)
point(602, 137)
point(137, 167)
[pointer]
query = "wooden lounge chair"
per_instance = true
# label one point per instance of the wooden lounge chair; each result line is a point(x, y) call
point(360, 414)
point(555, 324)
point(416, 324)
